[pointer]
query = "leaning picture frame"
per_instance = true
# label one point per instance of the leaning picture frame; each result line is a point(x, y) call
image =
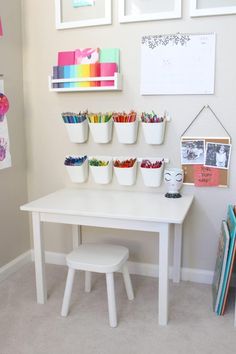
point(196, 10)
point(137, 10)
point(68, 16)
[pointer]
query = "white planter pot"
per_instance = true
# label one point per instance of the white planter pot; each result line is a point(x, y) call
point(154, 132)
point(127, 132)
point(152, 177)
point(126, 176)
point(78, 174)
point(101, 132)
point(102, 174)
point(77, 132)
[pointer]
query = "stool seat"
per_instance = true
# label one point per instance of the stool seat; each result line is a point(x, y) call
point(100, 258)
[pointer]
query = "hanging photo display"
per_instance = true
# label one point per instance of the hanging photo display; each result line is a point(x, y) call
point(206, 161)
point(5, 157)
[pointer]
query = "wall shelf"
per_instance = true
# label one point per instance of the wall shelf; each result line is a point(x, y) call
point(117, 78)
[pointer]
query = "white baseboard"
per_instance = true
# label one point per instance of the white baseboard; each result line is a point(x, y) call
point(15, 264)
point(146, 269)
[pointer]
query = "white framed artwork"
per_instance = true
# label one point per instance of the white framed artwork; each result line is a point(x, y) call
point(151, 10)
point(69, 16)
point(212, 7)
point(5, 156)
point(178, 64)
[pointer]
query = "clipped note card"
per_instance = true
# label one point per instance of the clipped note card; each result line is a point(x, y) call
point(206, 176)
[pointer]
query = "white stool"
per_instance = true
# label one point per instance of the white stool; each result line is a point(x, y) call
point(100, 258)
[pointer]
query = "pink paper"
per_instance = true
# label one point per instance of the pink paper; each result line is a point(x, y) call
point(1, 32)
point(108, 69)
point(86, 56)
point(206, 176)
point(4, 106)
point(66, 58)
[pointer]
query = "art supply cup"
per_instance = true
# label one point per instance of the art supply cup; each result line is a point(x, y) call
point(77, 132)
point(126, 176)
point(101, 132)
point(102, 174)
point(78, 174)
point(152, 177)
point(127, 131)
point(154, 132)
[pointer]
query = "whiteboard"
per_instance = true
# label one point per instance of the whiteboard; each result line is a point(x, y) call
point(178, 64)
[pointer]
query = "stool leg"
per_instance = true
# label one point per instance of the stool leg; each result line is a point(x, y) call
point(111, 299)
point(67, 293)
point(127, 281)
point(87, 286)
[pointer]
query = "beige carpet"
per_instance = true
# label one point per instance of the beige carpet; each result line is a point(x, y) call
point(28, 328)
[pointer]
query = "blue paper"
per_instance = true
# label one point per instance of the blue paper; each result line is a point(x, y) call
point(81, 3)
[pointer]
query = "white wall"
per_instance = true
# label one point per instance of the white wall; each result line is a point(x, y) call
point(14, 229)
point(48, 143)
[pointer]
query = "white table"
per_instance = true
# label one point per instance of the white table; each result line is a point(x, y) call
point(114, 209)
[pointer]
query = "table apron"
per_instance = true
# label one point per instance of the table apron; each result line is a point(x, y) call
point(109, 222)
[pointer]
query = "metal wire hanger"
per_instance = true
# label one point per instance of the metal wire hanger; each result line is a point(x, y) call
point(218, 120)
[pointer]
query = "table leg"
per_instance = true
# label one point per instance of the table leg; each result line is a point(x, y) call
point(163, 274)
point(177, 253)
point(76, 236)
point(39, 258)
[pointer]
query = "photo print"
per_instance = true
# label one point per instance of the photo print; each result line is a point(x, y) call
point(192, 152)
point(217, 155)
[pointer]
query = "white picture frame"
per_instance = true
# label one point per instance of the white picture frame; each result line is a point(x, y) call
point(210, 11)
point(171, 64)
point(151, 16)
point(60, 24)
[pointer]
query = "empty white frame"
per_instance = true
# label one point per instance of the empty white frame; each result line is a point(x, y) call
point(139, 10)
point(69, 17)
point(212, 8)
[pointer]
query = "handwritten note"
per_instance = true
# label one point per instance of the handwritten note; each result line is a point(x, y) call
point(206, 176)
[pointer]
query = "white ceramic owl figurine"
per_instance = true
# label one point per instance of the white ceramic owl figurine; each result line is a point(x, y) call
point(173, 178)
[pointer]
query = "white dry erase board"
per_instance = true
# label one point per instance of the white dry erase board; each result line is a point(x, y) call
point(178, 64)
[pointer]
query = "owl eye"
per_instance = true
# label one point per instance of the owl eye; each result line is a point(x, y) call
point(89, 56)
point(167, 177)
point(178, 177)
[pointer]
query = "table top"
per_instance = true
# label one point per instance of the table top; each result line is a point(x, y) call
point(123, 205)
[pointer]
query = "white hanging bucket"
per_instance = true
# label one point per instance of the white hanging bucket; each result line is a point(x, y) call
point(102, 174)
point(77, 132)
point(78, 174)
point(154, 132)
point(127, 131)
point(152, 177)
point(126, 176)
point(101, 132)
